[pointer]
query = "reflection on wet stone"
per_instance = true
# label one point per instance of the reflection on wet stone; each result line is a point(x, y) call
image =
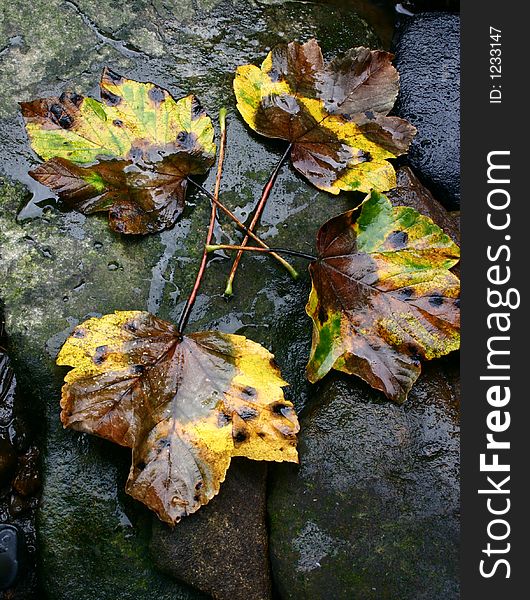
point(94, 538)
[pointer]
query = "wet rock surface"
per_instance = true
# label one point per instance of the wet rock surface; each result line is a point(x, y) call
point(427, 49)
point(223, 548)
point(9, 543)
point(372, 511)
point(19, 489)
point(62, 267)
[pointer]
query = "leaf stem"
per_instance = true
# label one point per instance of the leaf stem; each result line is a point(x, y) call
point(257, 215)
point(214, 247)
point(186, 311)
point(292, 271)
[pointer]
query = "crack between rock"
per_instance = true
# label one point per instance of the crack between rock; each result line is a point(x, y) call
point(125, 49)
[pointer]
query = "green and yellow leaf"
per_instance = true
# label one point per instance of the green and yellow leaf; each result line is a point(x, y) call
point(129, 154)
point(383, 296)
point(184, 404)
point(334, 116)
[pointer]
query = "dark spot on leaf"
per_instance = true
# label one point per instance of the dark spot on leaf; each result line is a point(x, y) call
point(135, 153)
point(187, 141)
point(406, 292)
point(247, 413)
point(117, 122)
point(436, 300)
point(100, 354)
point(281, 409)
point(398, 239)
point(138, 369)
point(156, 94)
point(130, 327)
point(369, 115)
point(110, 98)
point(60, 117)
point(249, 392)
point(240, 436)
point(366, 156)
point(261, 434)
point(223, 419)
point(79, 333)
point(163, 443)
point(413, 353)
point(198, 485)
point(322, 314)
point(114, 77)
point(72, 97)
point(196, 108)
point(197, 497)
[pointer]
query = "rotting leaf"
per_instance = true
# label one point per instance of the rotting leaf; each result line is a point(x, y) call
point(184, 404)
point(383, 296)
point(129, 154)
point(334, 115)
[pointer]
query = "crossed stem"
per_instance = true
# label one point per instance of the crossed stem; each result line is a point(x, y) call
point(214, 247)
point(186, 311)
point(257, 215)
point(249, 231)
point(292, 271)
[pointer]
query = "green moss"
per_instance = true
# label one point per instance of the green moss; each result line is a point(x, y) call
point(61, 266)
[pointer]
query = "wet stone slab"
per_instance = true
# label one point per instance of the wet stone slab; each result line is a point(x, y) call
point(372, 513)
point(62, 267)
point(427, 49)
point(223, 548)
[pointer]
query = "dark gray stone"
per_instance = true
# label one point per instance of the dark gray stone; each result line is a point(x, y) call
point(17, 513)
point(8, 461)
point(8, 556)
point(372, 511)
point(223, 548)
point(427, 48)
point(61, 267)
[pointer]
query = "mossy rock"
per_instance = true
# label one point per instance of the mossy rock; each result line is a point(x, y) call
point(61, 267)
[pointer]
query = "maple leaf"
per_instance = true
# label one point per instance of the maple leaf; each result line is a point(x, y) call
point(383, 296)
point(334, 115)
point(129, 154)
point(184, 404)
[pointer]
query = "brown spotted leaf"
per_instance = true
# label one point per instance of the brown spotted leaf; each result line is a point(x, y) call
point(129, 154)
point(334, 115)
point(383, 296)
point(185, 405)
